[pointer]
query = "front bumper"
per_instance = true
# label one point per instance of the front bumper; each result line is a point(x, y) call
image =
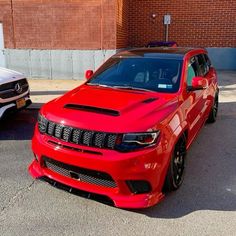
point(149, 165)
point(11, 107)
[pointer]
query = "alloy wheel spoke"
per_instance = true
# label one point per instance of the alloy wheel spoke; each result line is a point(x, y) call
point(178, 165)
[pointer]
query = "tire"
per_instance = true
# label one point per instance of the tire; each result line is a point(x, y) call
point(214, 110)
point(175, 173)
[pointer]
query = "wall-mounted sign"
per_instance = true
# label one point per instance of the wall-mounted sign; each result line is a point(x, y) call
point(167, 19)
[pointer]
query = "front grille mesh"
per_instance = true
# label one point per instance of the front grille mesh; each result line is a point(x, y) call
point(79, 136)
point(66, 134)
point(58, 131)
point(98, 139)
point(50, 129)
point(76, 135)
point(82, 175)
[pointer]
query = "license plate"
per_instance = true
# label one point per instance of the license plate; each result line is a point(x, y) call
point(20, 103)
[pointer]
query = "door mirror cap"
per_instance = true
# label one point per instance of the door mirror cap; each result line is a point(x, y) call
point(198, 83)
point(88, 74)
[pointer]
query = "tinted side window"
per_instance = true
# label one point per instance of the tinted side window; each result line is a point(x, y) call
point(203, 68)
point(208, 61)
point(192, 70)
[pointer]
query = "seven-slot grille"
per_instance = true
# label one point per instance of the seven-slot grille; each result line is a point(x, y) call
point(80, 174)
point(8, 90)
point(78, 136)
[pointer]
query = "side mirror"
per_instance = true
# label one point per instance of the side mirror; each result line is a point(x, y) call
point(198, 83)
point(88, 74)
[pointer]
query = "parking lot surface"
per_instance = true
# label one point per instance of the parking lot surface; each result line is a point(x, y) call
point(204, 205)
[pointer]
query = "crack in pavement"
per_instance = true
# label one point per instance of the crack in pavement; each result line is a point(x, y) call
point(19, 194)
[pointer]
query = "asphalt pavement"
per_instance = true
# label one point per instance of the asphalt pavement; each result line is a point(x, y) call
point(204, 205)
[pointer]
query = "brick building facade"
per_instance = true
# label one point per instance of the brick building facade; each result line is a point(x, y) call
point(194, 23)
point(44, 24)
point(96, 28)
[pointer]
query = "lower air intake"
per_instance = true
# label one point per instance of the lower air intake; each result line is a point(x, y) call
point(139, 186)
point(80, 174)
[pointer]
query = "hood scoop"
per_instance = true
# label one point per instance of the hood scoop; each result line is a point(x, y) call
point(98, 110)
point(149, 100)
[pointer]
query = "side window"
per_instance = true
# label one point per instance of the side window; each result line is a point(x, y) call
point(208, 61)
point(192, 70)
point(202, 65)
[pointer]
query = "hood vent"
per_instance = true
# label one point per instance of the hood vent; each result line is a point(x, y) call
point(149, 100)
point(99, 110)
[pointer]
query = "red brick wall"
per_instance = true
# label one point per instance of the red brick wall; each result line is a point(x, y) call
point(207, 23)
point(122, 24)
point(74, 24)
point(6, 19)
point(110, 24)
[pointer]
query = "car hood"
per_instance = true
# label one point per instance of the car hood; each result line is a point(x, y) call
point(7, 75)
point(110, 110)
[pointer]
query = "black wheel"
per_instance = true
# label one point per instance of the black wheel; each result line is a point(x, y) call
point(214, 110)
point(175, 173)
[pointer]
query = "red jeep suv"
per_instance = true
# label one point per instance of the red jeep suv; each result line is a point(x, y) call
point(122, 136)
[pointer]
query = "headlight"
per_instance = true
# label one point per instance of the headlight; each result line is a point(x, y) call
point(42, 124)
point(134, 141)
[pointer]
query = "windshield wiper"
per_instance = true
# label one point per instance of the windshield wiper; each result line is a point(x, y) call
point(120, 87)
point(132, 88)
point(100, 85)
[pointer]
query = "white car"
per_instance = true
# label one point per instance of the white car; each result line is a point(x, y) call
point(14, 91)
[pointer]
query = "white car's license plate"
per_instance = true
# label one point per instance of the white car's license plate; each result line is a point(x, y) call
point(20, 103)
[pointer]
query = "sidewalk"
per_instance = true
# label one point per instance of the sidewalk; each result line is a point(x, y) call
point(43, 90)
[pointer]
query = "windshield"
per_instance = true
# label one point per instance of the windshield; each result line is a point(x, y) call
point(155, 74)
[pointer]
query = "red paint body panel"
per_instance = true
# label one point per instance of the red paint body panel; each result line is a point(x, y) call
point(171, 114)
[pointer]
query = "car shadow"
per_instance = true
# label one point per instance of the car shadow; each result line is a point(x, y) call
point(18, 126)
point(210, 179)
